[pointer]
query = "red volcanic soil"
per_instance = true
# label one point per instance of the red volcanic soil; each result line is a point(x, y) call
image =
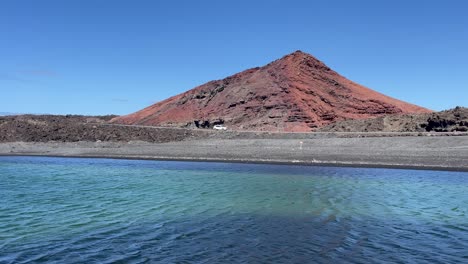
point(296, 93)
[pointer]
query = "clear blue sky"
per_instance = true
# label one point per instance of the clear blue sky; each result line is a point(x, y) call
point(102, 57)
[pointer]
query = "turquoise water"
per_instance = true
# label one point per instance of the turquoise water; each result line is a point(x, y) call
point(127, 211)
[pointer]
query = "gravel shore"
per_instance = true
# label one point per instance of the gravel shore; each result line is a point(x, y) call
point(417, 152)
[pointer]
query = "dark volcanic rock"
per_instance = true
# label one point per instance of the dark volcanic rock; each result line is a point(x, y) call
point(295, 93)
point(446, 121)
point(45, 128)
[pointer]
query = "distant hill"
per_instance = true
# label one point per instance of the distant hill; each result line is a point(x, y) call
point(295, 93)
point(7, 114)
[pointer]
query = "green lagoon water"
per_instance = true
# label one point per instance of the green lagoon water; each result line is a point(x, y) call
point(127, 211)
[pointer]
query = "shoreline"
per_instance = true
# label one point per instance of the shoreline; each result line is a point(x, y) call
point(422, 153)
point(255, 161)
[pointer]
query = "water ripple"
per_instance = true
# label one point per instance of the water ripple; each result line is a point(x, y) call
point(105, 211)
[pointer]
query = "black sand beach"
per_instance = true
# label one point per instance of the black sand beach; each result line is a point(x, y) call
point(417, 152)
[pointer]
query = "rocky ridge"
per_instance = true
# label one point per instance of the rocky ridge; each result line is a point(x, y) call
point(453, 120)
point(75, 128)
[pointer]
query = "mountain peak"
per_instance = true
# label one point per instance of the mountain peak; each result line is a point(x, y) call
point(299, 54)
point(295, 93)
point(301, 61)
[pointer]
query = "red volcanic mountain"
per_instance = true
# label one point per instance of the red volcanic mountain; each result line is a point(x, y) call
point(295, 93)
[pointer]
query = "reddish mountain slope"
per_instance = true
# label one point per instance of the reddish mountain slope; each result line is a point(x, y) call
point(295, 93)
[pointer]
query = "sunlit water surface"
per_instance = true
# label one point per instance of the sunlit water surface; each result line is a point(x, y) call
point(100, 211)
